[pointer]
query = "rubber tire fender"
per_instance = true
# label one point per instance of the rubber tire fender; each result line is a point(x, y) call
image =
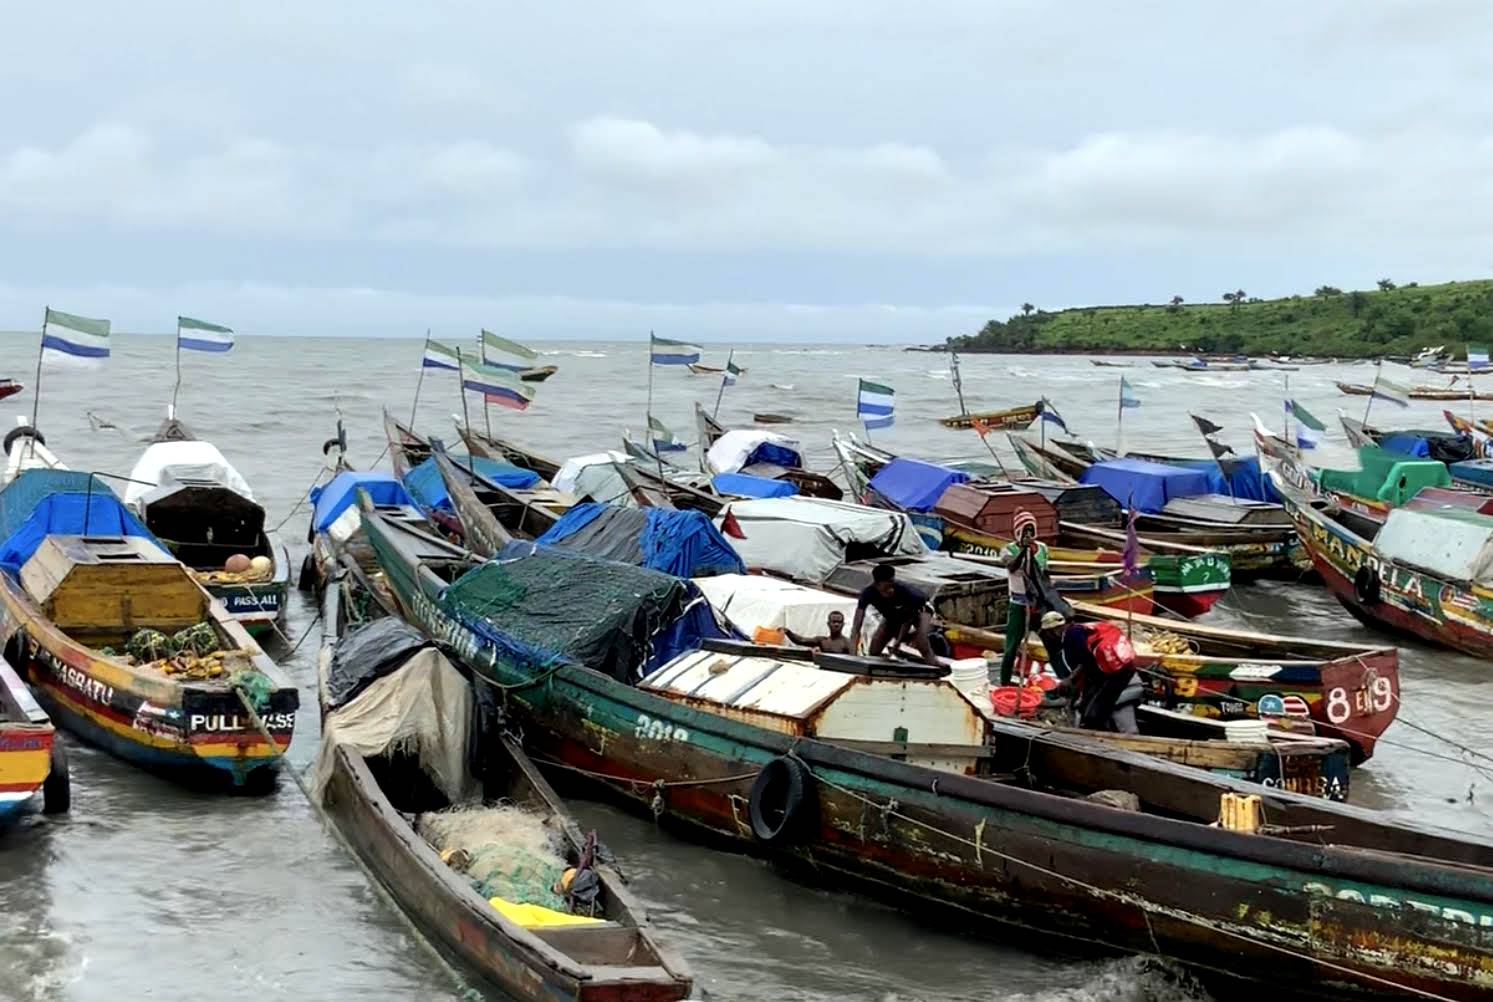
point(782, 801)
point(308, 579)
point(1366, 586)
point(57, 788)
point(24, 431)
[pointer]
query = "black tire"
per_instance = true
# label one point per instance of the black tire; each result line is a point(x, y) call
point(308, 579)
point(1366, 586)
point(24, 431)
point(326, 446)
point(57, 788)
point(782, 801)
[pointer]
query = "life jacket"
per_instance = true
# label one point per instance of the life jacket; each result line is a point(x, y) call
point(1110, 647)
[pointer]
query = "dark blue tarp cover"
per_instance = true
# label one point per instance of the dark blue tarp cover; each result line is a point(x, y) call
point(747, 486)
point(1406, 444)
point(778, 455)
point(341, 493)
point(429, 491)
point(39, 503)
point(1477, 471)
point(914, 485)
point(1147, 486)
point(682, 543)
point(1246, 483)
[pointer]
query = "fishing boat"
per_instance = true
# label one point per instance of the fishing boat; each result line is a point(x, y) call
point(1418, 392)
point(537, 373)
point(194, 501)
point(26, 449)
point(123, 645)
point(1425, 573)
point(1103, 364)
point(768, 418)
point(494, 867)
point(1017, 842)
point(1011, 417)
point(492, 447)
point(32, 758)
point(10, 387)
point(758, 453)
point(700, 369)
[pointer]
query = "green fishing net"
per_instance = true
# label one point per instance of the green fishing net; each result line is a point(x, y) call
point(198, 639)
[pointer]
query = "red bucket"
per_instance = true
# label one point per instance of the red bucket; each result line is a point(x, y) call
point(1015, 701)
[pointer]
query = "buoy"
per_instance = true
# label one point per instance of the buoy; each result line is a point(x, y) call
point(237, 564)
point(261, 566)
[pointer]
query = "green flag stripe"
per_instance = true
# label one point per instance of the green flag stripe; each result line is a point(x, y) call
point(866, 384)
point(187, 323)
point(734, 369)
point(83, 325)
point(441, 349)
point(663, 340)
point(491, 340)
point(1305, 417)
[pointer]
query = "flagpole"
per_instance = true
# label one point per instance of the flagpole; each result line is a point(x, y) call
point(724, 376)
point(1120, 419)
point(486, 410)
point(418, 382)
point(1370, 405)
point(461, 377)
point(40, 351)
point(177, 388)
point(648, 420)
point(958, 383)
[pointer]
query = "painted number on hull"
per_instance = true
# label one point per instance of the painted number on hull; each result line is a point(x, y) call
point(1377, 698)
point(653, 729)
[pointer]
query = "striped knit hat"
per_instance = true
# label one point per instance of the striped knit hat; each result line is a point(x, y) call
point(1023, 519)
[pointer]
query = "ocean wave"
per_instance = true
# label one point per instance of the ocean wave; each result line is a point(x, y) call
point(575, 352)
point(1133, 979)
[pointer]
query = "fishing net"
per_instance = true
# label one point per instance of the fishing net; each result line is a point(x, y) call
point(198, 639)
point(149, 645)
point(255, 686)
point(504, 850)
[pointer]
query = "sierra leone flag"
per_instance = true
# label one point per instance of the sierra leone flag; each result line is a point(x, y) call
point(1390, 392)
point(199, 335)
point(81, 337)
point(664, 440)
point(1308, 428)
point(497, 386)
point(728, 378)
point(440, 356)
point(874, 404)
point(491, 343)
point(1127, 395)
point(662, 351)
point(1477, 358)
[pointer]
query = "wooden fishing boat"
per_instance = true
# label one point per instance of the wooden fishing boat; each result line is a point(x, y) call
point(1111, 365)
point(387, 802)
point(1011, 417)
point(537, 373)
point(10, 387)
point(193, 500)
point(1418, 392)
point(1016, 842)
point(700, 369)
point(26, 449)
point(772, 418)
point(492, 447)
point(31, 754)
point(78, 598)
point(1403, 592)
point(807, 482)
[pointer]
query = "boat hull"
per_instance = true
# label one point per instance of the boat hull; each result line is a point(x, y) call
point(25, 761)
point(1013, 417)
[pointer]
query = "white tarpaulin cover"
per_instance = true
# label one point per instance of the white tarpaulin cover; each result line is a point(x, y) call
point(591, 474)
point(731, 451)
point(749, 601)
point(424, 707)
point(166, 463)
point(806, 538)
point(1457, 547)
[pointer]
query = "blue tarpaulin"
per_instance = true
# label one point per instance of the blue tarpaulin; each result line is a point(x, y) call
point(429, 491)
point(1246, 483)
point(40, 503)
point(914, 485)
point(777, 455)
point(747, 486)
point(1406, 444)
point(1473, 471)
point(341, 493)
point(682, 543)
point(1144, 485)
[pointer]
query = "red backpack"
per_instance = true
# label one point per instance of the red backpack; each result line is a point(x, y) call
point(1110, 647)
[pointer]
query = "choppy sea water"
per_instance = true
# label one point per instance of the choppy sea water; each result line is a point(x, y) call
point(149, 891)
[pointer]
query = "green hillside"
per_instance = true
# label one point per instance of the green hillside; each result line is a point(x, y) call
point(1390, 320)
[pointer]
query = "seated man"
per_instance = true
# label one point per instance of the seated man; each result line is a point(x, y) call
point(1094, 688)
point(905, 615)
point(834, 643)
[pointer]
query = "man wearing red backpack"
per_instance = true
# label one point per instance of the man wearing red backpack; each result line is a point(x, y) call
point(1096, 664)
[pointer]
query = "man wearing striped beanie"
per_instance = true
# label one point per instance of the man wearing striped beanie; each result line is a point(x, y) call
point(1019, 558)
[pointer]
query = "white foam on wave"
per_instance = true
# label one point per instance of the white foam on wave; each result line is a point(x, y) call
point(1132, 979)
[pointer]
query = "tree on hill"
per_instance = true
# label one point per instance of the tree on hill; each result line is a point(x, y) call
point(1385, 285)
point(1176, 300)
point(1356, 300)
point(1324, 291)
point(1027, 308)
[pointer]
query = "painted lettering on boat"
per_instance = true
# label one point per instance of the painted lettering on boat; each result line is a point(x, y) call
point(83, 683)
point(1481, 919)
point(1376, 697)
point(1254, 672)
point(653, 729)
point(267, 602)
point(225, 723)
point(1327, 787)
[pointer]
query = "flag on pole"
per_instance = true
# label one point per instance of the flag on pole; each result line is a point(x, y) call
point(82, 337)
point(1390, 392)
point(488, 340)
point(1127, 395)
point(728, 378)
point(664, 440)
point(1308, 428)
point(199, 335)
point(497, 386)
point(1050, 414)
point(1130, 555)
point(1477, 358)
point(662, 351)
point(439, 356)
point(874, 404)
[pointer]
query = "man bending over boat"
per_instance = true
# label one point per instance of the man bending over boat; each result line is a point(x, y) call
point(906, 615)
point(1023, 560)
point(1097, 666)
point(834, 643)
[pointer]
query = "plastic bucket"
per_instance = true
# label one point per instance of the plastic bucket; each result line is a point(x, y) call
point(1015, 701)
point(970, 676)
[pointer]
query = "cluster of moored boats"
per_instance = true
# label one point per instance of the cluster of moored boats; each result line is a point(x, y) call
point(496, 620)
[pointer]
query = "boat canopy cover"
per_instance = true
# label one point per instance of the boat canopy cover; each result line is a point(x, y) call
point(807, 538)
point(750, 446)
point(422, 706)
point(914, 485)
point(1385, 476)
point(341, 493)
point(1442, 446)
point(41, 503)
point(682, 543)
point(1245, 480)
point(544, 606)
point(167, 463)
point(1457, 545)
point(428, 489)
point(1476, 471)
point(747, 486)
point(595, 476)
point(752, 601)
point(1144, 485)
point(1406, 443)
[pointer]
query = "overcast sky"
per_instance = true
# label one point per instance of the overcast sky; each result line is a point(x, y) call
point(774, 170)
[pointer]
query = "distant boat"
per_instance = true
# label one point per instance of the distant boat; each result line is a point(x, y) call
point(1417, 393)
point(10, 387)
point(772, 419)
point(1110, 365)
point(1011, 417)
point(538, 373)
